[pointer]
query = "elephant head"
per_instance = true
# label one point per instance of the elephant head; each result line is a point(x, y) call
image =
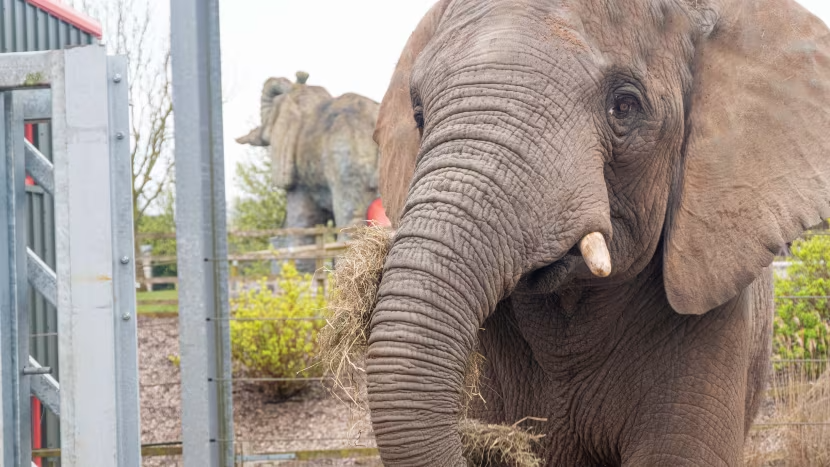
point(520, 139)
point(284, 109)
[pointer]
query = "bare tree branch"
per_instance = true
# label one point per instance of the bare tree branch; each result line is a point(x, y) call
point(131, 29)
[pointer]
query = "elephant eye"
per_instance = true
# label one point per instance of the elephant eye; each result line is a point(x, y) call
point(419, 117)
point(624, 106)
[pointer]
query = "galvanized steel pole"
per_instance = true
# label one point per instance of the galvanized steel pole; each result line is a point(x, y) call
point(201, 234)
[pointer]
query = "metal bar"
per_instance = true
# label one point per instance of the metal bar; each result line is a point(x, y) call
point(805, 297)
point(41, 277)
point(38, 371)
point(15, 146)
point(123, 247)
point(37, 105)
point(16, 420)
point(8, 347)
point(83, 211)
point(165, 450)
point(40, 168)
point(201, 233)
point(267, 457)
point(46, 389)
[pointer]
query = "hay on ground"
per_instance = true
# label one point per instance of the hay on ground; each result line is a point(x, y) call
point(808, 438)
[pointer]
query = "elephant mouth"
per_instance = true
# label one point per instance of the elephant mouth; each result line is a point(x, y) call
point(591, 253)
point(550, 278)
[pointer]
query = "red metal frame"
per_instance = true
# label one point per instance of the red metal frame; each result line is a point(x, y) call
point(30, 137)
point(37, 435)
point(65, 13)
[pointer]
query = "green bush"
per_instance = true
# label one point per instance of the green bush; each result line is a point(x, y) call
point(802, 325)
point(284, 343)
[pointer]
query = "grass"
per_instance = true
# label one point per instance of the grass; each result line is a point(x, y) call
point(155, 303)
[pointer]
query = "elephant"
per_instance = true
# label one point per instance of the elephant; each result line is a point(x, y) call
point(322, 152)
point(590, 194)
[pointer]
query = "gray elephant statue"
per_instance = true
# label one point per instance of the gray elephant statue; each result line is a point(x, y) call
point(322, 152)
point(590, 194)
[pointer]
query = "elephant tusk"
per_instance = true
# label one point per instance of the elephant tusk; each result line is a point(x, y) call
point(595, 252)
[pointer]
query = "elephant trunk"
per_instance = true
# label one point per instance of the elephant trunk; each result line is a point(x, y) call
point(439, 285)
point(272, 88)
point(463, 244)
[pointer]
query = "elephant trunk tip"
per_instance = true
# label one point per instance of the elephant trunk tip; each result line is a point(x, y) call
point(595, 252)
point(254, 138)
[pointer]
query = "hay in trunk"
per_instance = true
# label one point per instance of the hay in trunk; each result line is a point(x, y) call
point(354, 294)
point(344, 342)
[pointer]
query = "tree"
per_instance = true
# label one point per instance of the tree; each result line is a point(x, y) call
point(161, 223)
point(261, 207)
point(802, 318)
point(131, 29)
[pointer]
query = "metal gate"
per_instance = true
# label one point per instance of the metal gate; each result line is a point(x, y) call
point(82, 93)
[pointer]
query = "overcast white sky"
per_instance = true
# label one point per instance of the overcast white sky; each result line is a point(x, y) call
point(346, 46)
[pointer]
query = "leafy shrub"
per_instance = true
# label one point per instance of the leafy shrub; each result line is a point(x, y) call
point(284, 343)
point(802, 325)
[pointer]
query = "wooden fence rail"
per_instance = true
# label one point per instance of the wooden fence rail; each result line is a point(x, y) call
point(310, 232)
point(322, 250)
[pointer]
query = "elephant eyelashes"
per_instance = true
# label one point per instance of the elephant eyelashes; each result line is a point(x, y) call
point(624, 106)
point(623, 113)
point(419, 117)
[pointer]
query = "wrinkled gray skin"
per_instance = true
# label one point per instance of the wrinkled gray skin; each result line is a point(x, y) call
point(691, 134)
point(322, 152)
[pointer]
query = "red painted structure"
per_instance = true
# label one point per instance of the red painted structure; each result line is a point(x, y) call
point(63, 12)
point(37, 435)
point(377, 215)
point(30, 137)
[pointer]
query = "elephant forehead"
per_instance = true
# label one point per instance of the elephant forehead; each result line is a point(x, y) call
point(609, 32)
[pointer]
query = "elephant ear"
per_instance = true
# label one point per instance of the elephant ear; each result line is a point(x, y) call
point(396, 133)
point(756, 169)
point(284, 136)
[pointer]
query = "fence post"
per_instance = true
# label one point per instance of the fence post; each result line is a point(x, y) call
point(126, 327)
point(147, 266)
point(201, 234)
point(319, 269)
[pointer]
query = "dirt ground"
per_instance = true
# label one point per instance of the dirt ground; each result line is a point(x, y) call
point(311, 421)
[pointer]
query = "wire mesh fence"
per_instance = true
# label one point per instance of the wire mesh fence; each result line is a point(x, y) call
point(160, 390)
point(311, 427)
point(793, 424)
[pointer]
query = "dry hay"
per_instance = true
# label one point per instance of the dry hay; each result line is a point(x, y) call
point(808, 438)
point(344, 342)
point(486, 445)
point(354, 290)
point(793, 426)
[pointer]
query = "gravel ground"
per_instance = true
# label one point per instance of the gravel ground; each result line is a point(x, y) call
point(312, 420)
